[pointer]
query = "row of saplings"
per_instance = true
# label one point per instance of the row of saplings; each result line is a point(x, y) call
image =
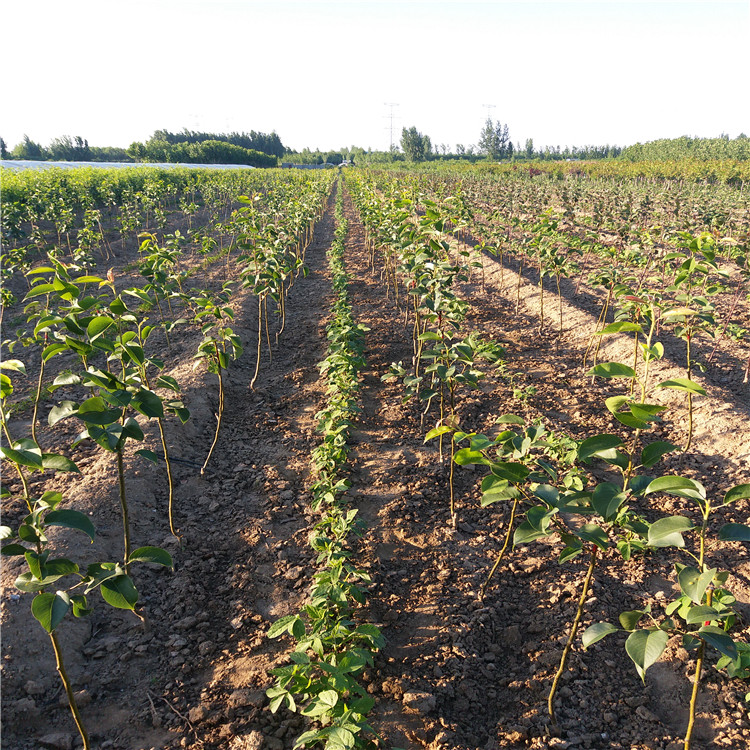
point(538, 474)
point(108, 333)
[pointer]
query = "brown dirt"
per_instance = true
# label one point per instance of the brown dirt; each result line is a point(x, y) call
point(456, 673)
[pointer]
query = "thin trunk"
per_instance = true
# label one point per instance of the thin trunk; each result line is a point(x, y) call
point(69, 690)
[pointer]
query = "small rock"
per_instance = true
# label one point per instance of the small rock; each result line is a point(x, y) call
point(251, 741)
point(83, 698)
point(273, 743)
point(197, 714)
point(244, 697)
point(510, 636)
point(645, 714)
point(34, 688)
point(57, 741)
point(422, 702)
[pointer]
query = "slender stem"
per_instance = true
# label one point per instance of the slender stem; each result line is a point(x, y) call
point(500, 556)
point(573, 632)
point(69, 690)
point(124, 509)
point(260, 342)
point(22, 476)
point(170, 480)
point(218, 416)
point(36, 400)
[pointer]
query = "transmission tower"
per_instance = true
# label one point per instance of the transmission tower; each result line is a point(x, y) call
point(391, 116)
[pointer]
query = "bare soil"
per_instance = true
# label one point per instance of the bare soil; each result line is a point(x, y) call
point(457, 673)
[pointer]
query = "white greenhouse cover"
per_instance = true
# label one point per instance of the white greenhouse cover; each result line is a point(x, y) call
point(30, 164)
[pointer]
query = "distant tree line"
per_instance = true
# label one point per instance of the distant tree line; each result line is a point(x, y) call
point(187, 147)
point(266, 143)
point(266, 150)
point(65, 148)
point(702, 149)
point(203, 152)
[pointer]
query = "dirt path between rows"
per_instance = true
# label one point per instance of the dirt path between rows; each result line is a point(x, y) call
point(456, 673)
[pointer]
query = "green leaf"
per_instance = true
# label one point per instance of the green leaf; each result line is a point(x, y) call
point(436, 432)
point(717, 638)
point(50, 609)
point(701, 613)
point(65, 409)
point(282, 625)
point(98, 325)
point(593, 534)
point(683, 384)
point(596, 632)
point(612, 370)
point(734, 532)
point(693, 583)
point(510, 419)
point(645, 647)
point(71, 519)
point(155, 555)
point(96, 411)
point(148, 455)
point(148, 403)
point(606, 499)
point(622, 325)
point(15, 365)
point(680, 486)
point(739, 492)
point(630, 619)
point(341, 738)
point(511, 471)
point(599, 446)
point(24, 453)
point(119, 592)
point(466, 456)
point(654, 451)
point(58, 463)
point(667, 532)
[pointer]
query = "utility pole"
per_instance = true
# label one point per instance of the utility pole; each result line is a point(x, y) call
point(488, 107)
point(390, 116)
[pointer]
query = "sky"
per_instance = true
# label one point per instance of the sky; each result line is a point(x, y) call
point(334, 74)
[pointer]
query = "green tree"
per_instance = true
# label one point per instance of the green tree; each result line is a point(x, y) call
point(416, 147)
point(494, 140)
point(529, 148)
point(27, 149)
point(66, 148)
point(3, 149)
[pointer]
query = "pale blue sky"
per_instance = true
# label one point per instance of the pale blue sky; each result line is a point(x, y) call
point(321, 73)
